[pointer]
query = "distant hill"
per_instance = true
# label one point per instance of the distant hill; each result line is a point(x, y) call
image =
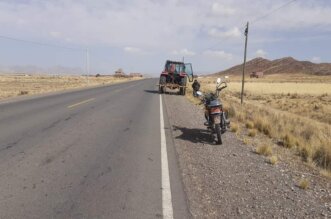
point(285, 65)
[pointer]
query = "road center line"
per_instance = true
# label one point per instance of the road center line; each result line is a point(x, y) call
point(167, 210)
point(82, 102)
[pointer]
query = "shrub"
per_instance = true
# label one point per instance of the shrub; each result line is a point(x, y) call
point(240, 116)
point(326, 173)
point(234, 127)
point(23, 92)
point(252, 133)
point(305, 153)
point(322, 157)
point(289, 141)
point(273, 160)
point(249, 124)
point(303, 184)
point(265, 150)
point(231, 111)
point(263, 126)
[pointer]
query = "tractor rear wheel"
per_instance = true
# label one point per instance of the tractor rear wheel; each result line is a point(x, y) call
point(183, 83)
point(163, 81)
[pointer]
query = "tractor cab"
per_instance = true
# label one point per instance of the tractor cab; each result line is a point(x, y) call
point(177, 70)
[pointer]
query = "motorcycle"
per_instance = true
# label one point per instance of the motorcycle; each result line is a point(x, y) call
point(216, 119)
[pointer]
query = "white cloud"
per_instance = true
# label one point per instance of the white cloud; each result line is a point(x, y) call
point(231, 33)
point(316, 59)
point(132, 50)
point(261, 53)
point(219, 9)
point(183, 52)
point(218, 54)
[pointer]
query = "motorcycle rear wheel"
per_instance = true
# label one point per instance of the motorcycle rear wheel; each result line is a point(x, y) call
point(218, 134)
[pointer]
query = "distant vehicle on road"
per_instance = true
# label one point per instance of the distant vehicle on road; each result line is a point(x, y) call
point(174, 76)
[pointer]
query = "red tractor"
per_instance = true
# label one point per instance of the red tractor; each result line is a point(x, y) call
point(174, 76)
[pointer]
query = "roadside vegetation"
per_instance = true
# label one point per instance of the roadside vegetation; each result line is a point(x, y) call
point(12, 85)
point(295, 115)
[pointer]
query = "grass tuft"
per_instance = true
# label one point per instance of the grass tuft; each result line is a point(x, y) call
point(249, 124)
point(252, 133)
point(265, 150)
point(273, 160)
point(234, 127)
point(326, 173)
point(322, 156)
point(245, 141)
point(289, 141)
point(303, 184)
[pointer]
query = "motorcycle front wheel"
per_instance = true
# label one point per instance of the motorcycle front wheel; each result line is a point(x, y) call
point(218, 133)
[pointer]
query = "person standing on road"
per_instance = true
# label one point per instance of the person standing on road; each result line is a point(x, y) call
point(196, 87)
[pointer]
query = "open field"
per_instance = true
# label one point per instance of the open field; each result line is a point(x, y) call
point(295, 115)
point(11, 85)
point(281, 78)
point(258, 88)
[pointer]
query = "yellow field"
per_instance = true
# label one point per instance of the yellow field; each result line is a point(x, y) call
point(25, 85)
point(282, 88)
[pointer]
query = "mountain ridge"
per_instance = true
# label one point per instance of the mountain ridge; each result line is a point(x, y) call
point(286, 65)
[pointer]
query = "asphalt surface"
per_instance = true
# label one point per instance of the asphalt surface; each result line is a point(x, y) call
point(92, 153)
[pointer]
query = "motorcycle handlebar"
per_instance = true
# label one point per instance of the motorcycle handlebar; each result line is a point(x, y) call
point(221, 88)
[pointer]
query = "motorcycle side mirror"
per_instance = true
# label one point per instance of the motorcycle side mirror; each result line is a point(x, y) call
point(218, 82)
point(199, 93)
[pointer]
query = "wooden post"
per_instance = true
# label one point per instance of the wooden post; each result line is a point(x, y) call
point(244, 65)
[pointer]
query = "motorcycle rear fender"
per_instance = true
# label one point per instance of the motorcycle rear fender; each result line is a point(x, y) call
point(215, 111)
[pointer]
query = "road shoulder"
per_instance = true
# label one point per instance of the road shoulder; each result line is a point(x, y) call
point(231, 180)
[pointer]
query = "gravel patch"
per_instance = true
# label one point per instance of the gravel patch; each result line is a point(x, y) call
point(231, 181)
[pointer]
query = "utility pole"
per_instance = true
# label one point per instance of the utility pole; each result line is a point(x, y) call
point(87, 66)
point(244, 65)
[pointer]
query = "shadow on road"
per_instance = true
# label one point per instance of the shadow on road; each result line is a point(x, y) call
point(195, 135)
point(152, 91)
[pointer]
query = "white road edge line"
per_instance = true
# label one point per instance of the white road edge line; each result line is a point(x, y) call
point(167, 210)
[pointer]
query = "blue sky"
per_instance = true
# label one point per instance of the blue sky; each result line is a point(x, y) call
point(139, 35)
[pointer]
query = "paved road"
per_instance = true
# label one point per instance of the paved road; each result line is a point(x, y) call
point(93, 153)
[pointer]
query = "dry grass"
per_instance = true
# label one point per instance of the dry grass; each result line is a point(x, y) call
point(252, 133)
point(234, 127)
point(273, 160)
point(264, 149)
point(326, 173)
point(249, 124)
point(285, 78)
point(297, 115)
point(261, 88)
point(11, 85)
point(246, 141)
point(303, 184)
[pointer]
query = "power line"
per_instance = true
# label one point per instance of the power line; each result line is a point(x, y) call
point(258, 19)
point(39, 43)
point(273, 11)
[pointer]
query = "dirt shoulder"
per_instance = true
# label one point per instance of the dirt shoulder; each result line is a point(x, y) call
point(231, 181)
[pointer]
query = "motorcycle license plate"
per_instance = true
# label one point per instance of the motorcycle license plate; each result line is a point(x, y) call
point(217, 119)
